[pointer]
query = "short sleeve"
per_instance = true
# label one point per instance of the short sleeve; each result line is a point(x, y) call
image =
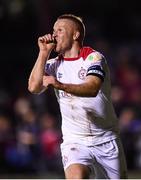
point(97, 65)
point(50, 67)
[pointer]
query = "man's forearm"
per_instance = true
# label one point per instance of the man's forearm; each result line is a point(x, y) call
point(36, 76)
point(89, 88)
point(82, 90)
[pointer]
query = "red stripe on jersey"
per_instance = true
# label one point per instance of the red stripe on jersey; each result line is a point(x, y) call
point(84, 52)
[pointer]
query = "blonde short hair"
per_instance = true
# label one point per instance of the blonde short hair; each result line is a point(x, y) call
point(79, 24)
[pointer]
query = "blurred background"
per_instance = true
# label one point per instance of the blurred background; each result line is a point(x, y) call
point(30, 124)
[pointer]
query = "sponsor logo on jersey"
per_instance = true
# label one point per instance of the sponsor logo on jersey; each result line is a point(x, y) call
point(60, 75)
point(82, 73)
point(65, 94)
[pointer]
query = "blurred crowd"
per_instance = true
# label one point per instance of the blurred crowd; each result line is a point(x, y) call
point(29, 139)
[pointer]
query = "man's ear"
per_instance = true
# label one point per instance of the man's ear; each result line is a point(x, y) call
point(76, 35)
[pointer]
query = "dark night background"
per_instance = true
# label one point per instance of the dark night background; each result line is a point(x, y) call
point(112, 27)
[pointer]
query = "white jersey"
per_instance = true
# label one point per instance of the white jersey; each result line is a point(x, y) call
point(85, 120)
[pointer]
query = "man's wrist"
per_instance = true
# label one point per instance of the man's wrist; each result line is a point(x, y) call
point(60, 86)
point(44, 53)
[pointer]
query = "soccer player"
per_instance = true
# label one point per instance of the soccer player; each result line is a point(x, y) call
point(80, 77)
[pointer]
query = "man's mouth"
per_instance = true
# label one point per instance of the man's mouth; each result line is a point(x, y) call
point(54, 41)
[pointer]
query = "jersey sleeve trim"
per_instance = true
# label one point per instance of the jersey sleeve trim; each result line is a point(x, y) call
point(84, 52)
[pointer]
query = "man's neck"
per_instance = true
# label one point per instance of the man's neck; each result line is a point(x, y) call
point(73, 52)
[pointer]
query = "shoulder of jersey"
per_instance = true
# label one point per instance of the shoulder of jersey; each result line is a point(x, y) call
point(53, 60)
point(91, 55)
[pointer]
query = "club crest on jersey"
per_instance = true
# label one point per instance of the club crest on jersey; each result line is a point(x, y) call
point(82, 73)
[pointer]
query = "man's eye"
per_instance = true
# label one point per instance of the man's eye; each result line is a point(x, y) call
point(59, 30)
